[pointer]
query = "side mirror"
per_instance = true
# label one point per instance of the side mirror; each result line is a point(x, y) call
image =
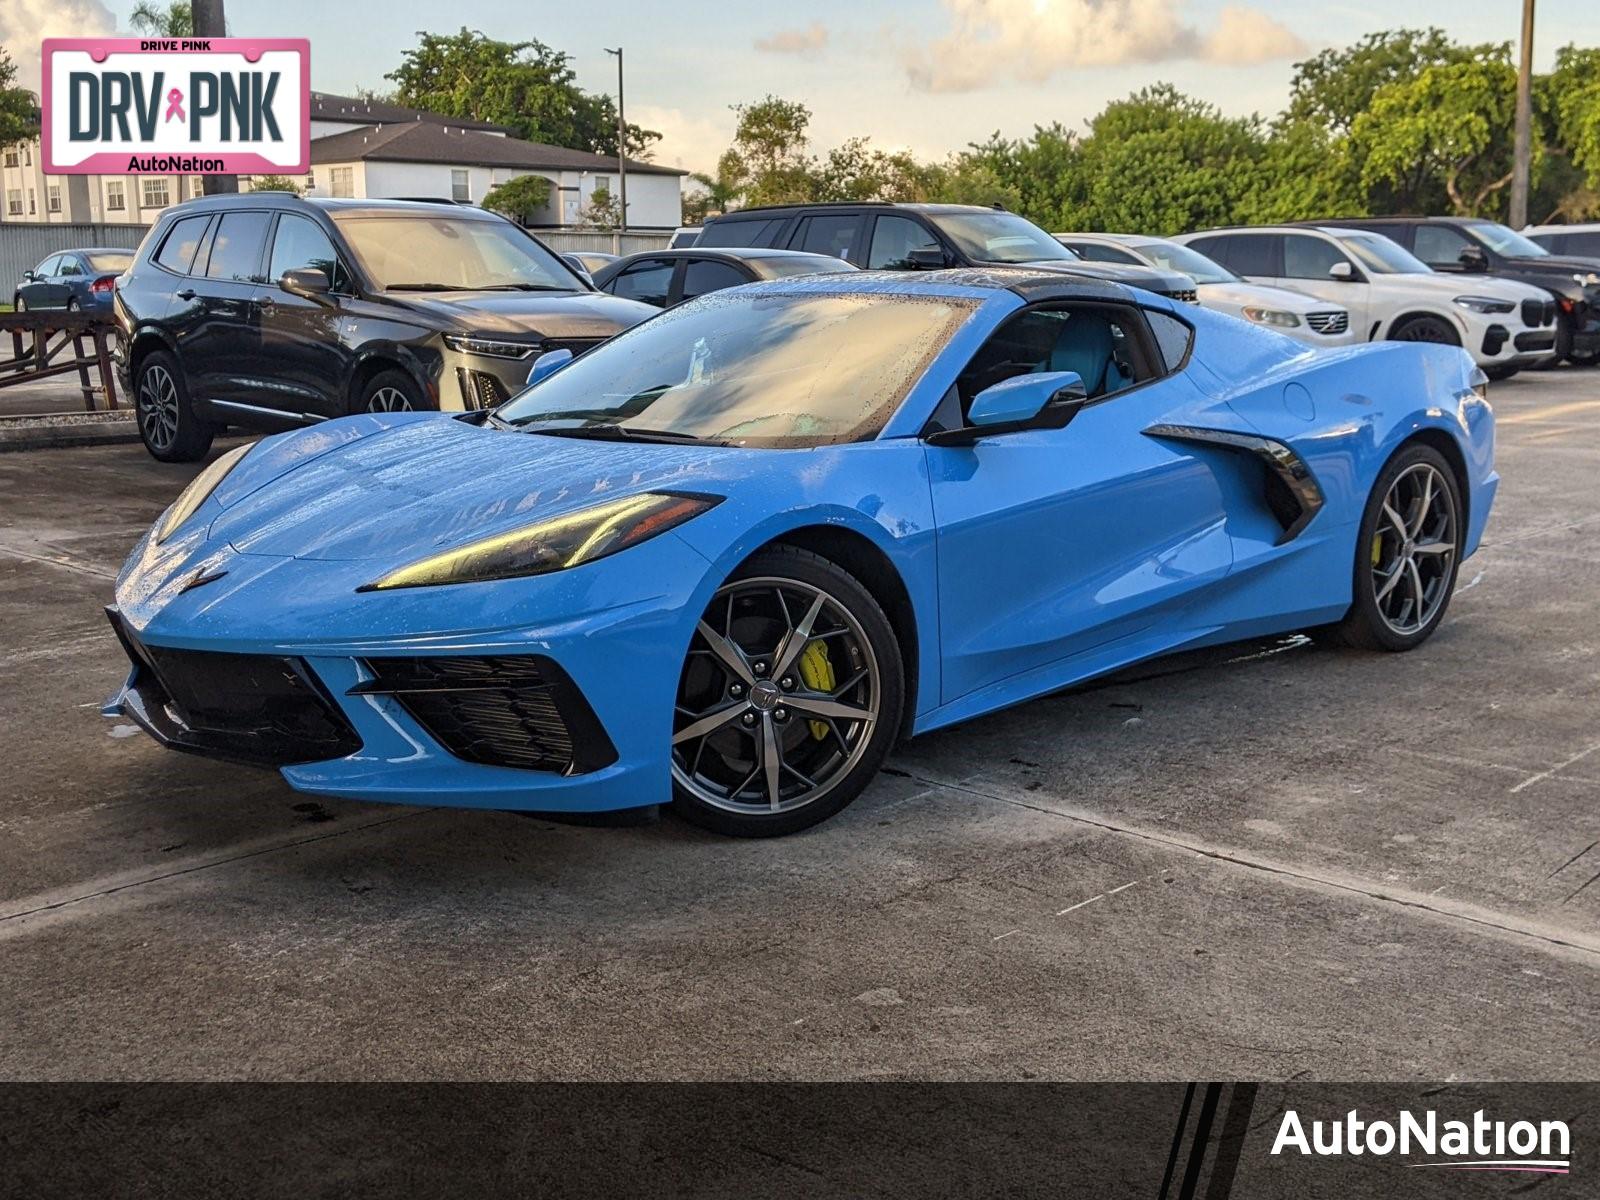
point(30, 276)
point(547, 364)
point(1472, 258)
point(926, 258)
point(1014, 404)
point(1342, 271)
point(310, 282)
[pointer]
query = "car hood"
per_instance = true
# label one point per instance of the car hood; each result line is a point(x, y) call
point(426, 483)
point(1451, 286)
point(1149, 278)
point(1265, 296)
point(1557, 264)
point(553, 314)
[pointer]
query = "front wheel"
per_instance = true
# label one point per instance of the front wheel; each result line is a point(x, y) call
point(390, 391)
point(790, 698)
point(1426, 329)
point(1407, 554)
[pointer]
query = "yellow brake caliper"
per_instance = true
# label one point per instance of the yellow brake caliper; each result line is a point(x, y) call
point(1377, 548)
point(817, 672)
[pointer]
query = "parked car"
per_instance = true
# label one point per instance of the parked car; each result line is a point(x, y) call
point(1582, 241)
point(919, 237)
point(1302, 317)
point(269, 311)
point(683, 237)
point(618, 589)
point(73, 280)
point(665, 277)
point(589, 261)
point(1468, 246)
point(1391, 295)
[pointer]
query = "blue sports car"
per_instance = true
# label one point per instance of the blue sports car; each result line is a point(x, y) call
point(727, 558)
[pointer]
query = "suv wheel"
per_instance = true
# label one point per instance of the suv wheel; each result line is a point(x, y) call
point(391, 391)
point(167, 423)
point(1425, 329)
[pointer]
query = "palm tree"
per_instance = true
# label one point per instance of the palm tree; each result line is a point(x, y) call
point(174, 21)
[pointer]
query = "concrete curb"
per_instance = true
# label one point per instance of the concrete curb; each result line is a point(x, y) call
point(59, 431)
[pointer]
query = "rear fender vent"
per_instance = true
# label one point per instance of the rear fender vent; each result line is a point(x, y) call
point(1290, 490)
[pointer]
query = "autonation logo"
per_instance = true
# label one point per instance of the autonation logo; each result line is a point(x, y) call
point(1476, 1145)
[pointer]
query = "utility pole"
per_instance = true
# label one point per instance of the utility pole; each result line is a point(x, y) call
point(210, 22)
point(1523, 149)
point(622, 140)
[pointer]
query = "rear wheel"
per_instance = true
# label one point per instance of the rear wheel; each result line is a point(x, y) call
point(1407, 554)
point(167, 423)
point(391, 391)
point(1425, 329)
point(790, 698)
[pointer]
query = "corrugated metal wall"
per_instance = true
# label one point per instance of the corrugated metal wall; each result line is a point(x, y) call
point(605, 243)
point(23, 246)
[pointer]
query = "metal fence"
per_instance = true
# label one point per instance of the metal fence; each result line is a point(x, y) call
point(24, 246)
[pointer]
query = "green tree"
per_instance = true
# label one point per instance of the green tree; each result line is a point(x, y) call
point(1450, 126)
point(1334, 87)
point(1304, 173)
point(176, 20)
point(19, 111)
point(522, 199)
point(717, 193)
point(275, 183)
point(603, 211)
point(1570, 99)
point(769, 151)
point(526, 86)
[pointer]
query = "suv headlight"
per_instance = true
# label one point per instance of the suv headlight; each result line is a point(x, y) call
point(1270, 316)
point(553, 545)
point(1485, 304)
point(465, 343)
point(198, 491)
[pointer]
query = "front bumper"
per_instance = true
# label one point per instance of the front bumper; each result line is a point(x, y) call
point(455, 705)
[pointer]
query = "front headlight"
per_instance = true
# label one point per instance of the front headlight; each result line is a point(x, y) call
point(193, 496)
point(1485, 304)
point(1269, 316)
point(553, 545)
point(490, 347)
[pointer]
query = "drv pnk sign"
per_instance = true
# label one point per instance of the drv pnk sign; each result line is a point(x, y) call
point(237, 106)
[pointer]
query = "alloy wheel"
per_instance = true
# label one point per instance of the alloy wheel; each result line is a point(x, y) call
point(778, 698)
point(1413, 549)
point(388, 399)
point(158, 407)
point(1427, 329)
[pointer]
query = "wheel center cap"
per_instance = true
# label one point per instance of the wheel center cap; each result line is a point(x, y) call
point(1408, 549)
point(765, 695)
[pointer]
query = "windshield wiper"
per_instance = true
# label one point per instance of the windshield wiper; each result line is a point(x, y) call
point(611, 431)
point(520, 287)
point(425, 287)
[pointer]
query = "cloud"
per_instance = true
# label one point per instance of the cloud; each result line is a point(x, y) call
point(809, 42)
point(26, 23)
point(691, 143)
point(994, 41)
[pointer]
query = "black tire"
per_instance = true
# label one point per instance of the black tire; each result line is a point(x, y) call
point(1425, 329)
point(1501, 372)
point(1370, 624)
point(72, 304)
point(168, 426)
point(829, 761)
point(18, 304)
point(390, 391)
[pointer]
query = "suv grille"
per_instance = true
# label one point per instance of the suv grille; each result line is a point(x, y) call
point(1538, 312)
point(514, 710)
point(253, 708)
point(479, 389)
point(1329, 322)
point(1184, 295)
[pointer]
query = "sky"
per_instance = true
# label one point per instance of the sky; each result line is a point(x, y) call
point(929, 76)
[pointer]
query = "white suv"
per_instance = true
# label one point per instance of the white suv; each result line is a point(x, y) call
point(1391, 295)
point(1304, 318)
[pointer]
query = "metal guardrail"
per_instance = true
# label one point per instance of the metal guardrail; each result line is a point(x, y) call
point(39, 343)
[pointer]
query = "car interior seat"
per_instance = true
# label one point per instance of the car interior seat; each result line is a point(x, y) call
point(1088, 346)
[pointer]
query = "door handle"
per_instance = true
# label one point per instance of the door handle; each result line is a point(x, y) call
point(186, 294)
point(268, 304)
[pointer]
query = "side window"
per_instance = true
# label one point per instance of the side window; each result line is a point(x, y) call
point(1244, 253)
point(177, 251)
point(704, 275)
point(236, 248)
point(648, 281)
point(1099, 252)
point(1306, 257)
point(893, 240)
point(738, 233)
point(830, 235)
point(1439, 246)
point(69, 265)
point(1095, 342)
point(1173, 338)
point(300, 243)
point(1586, 243)
point(47, 268)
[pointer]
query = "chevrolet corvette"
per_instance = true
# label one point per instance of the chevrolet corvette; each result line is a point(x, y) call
point(726, 559)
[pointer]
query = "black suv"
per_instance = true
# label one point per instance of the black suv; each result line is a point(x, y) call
point(915, 237)
point(1470, 245)
point(268, 311)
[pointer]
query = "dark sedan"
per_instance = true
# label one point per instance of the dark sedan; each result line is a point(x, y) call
point(664, 277)
point(73, 280)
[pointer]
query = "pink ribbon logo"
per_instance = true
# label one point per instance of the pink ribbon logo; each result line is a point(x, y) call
point(175, 105)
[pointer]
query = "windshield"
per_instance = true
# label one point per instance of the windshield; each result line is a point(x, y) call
point(752, 369)
point(428, 253)
point(1506, 241)
point(110, 262)
point(1000, 237)
point(1171, 256)
point(1381, 256)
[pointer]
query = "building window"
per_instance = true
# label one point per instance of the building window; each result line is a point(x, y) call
point(12, 158)
point(311, 180)
point(116, 197)
point(27, 156)
point(460, 185)
point(14, 202)
point(52, 197)
point(343, 181)
point(33, 202)
point(153, 192)
point(197, 185)
point(602, 183)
